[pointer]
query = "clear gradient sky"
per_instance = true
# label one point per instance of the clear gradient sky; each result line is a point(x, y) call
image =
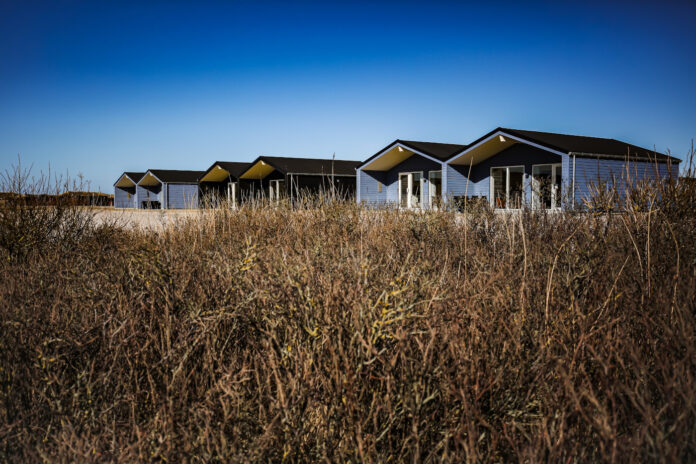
point(102, 87)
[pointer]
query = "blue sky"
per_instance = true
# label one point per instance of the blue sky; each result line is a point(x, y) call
point(101, 87)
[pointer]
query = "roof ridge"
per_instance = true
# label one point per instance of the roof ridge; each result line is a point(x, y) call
point(557, 133)
point(423, 141)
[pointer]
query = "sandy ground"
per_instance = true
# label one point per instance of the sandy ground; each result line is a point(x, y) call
point(144, 219)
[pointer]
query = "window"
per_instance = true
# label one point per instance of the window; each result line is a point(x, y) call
point(435, 188)
point(410, 189)
point(546, 186)
point(507, 187)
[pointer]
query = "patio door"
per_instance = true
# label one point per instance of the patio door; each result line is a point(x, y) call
point(507, 187)
point(435, 189)
point(546, 186)
point(410, 189)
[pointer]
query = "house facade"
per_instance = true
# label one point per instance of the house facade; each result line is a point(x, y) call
point(220, 183)
point(277, 177)
point(168, 189)
point(406, 174)
point(508, 169)
point(125, 190)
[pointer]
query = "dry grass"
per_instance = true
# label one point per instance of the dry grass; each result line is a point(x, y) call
point(333, 333)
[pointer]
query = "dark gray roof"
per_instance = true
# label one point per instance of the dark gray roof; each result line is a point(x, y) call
point(235, 168)
point(586, 145)
point(172, 176)
point(287, 165)
point(441, 151)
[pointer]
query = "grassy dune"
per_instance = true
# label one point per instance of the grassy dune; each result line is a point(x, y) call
point(337, 333)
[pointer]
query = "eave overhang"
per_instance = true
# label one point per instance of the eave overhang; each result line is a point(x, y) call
point(491, 145)
point(258, 170)
point(124, 181)
point(215, 174)
point(391, 156)
point(149, 180)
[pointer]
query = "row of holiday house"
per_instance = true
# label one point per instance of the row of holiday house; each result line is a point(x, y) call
point(506, 168)
point(232, 183)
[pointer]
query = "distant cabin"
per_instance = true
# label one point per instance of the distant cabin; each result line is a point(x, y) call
point(168, 189)
point(125, 190)
point(276, 177)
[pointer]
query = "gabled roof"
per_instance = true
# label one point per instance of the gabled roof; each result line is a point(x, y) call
point(582, 145)
point(234, 168)
point(134, 177)
point(173, 176)
point(287, 165)
point(439, 151)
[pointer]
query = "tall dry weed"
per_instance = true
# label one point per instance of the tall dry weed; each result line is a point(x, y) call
point(332, 332)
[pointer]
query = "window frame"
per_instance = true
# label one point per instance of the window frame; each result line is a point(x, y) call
point(409, 188)
point(554, 168)
point(491, 186)
point(431, 193)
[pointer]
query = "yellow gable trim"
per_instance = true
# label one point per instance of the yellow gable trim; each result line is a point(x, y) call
point(484, 151)
point(149, 180)
point(259, 170)
point(125, 181)
point(217, 174)
point(389, 159)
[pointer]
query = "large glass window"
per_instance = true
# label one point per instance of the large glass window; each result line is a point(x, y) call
point(546, 186)
point(416, 184)
point(499, 182)
point(507, 187)
point(410, 189)
point(403, 190)
point(515, 187)
point(435, 188)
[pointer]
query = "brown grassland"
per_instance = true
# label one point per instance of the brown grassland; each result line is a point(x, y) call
point(330, 332)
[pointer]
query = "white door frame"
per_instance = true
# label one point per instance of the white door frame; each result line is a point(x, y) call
point(491, 187)
point(409, 188)
point(274, 189)
point(556, 170)
point(431, 190)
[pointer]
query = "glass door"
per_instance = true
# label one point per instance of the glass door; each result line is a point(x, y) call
point(546, 186)
point(499, 187)
point(416, 190)
point(435, 188)
point(404, 180)
point(410, 189)
point(507, 187)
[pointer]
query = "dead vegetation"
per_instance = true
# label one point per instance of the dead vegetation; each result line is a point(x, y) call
point(340, 334)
